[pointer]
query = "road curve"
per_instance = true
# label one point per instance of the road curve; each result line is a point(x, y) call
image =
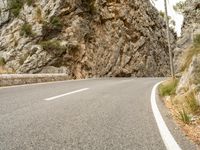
point(97, 114)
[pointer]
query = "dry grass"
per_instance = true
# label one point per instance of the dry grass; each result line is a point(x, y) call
point(184, 116)
point(168, 87)
point(192, 104)
point(186, 107)
point(188, 102)
point(39, 16)
point(186, 112)
point(3, 70)
point(192, 129)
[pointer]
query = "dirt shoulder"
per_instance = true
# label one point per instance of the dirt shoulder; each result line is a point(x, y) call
point(184, 109)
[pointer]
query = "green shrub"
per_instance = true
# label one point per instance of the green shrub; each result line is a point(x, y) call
point(2, 61)
point(55, 23)
point(26, 30)
point(23, 58)
point(52, 45)
point(30, 2)
point(162, 14)
point(168, 88)
point(197, 40)
point(15, 6)
point(51, 28)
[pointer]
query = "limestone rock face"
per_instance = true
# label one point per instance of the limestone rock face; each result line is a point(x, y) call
point(88, 38)
point(190, 75)
point(191, 27)
point(4, 14)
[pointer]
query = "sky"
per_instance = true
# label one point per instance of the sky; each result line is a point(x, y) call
point(178, 18)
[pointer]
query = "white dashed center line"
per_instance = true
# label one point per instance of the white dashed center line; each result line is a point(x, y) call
point(62, 95)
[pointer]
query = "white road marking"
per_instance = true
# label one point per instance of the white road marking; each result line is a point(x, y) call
point(62, 95)
point(167, 137)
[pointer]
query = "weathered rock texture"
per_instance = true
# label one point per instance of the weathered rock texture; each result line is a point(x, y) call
point(190, 28)
point(4, 15)
point(190, 74)
point(96, 38)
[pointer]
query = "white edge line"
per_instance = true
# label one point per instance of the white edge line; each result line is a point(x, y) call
point(167, 137)
point(62, 95)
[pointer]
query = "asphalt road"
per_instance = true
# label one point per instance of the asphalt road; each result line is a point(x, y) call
point(97, 114)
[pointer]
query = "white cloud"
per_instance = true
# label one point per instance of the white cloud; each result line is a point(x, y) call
point(178, 18)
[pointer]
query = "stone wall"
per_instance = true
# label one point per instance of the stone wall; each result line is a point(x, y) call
point(19, 79)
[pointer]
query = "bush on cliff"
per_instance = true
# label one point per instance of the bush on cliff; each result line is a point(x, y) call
point(15, 6)
point(2, 61)
point(52, 28)
point(26, 30)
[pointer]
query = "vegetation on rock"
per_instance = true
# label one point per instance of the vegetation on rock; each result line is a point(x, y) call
point(179, 7)
point(15, 6)
point(2, 61)
point(53, 27)
point(197, 41)
point(52, 45)
point(26, 30)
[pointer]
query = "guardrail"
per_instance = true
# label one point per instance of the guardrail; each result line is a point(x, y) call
point(19, 79)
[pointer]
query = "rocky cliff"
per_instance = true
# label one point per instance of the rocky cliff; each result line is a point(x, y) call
point(187, 53)
point(83, 38)
point(190, 28)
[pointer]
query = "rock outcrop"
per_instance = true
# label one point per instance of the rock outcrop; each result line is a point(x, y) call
point(187, 53)
point(84, 38)
point(4, 14)
point(190, 28)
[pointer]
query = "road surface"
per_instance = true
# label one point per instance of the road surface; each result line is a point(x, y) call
point(97, 114)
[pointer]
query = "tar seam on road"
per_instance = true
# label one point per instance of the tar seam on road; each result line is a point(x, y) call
point(62, 95)
point(167, 137)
